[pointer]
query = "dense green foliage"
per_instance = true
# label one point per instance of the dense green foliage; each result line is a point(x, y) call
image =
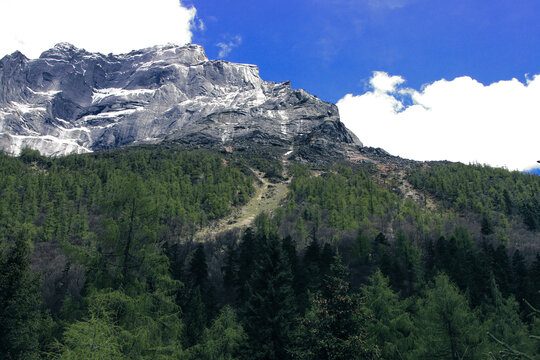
point(447, 327)
point(347, 196)
point(19, 300)
point(103, 219)
point(493, 193)
point(97, 260)
point(391, 325)
point(179, 190)
point(350, 198)
point(335, 328)
point(269, 310)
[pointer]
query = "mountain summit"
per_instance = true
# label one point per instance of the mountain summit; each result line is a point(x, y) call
point(70, 100)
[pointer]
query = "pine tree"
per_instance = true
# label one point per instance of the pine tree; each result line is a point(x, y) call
point(269, 315)
point(447, 328)
point(222, 341)
point(198, 272)
point(149, 326)
point(334, 328)
point(503, 322)
point(486, 225)
point(502, 269)
point(230, 268)
point(362, 247)
point(311, 265)
point(130, 229)
point(326, 260)
point(94, 338)
point(406, 267)
point(520, 284)
point(20, 299)
point(246, 264)
point(195, 317)
point(299, 278)
point(389, 326)
point(198, 268)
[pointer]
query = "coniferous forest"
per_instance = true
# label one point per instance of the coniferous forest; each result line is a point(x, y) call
point(102, 257)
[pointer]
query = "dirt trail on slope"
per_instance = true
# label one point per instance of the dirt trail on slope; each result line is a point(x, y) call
point(267, 197)
point(408, 190)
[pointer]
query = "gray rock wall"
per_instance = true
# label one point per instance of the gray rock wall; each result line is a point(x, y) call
point(73, 101)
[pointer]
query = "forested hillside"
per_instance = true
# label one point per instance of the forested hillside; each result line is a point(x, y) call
point(505, 202)
point(98, 260)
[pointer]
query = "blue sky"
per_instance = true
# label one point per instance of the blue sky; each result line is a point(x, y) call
point(423, 79)
point(451, 80)
point(331, 47)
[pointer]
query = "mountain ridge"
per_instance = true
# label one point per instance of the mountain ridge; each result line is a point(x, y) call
point(70, 100)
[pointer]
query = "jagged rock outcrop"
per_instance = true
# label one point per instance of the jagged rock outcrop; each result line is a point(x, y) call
point(73, 101)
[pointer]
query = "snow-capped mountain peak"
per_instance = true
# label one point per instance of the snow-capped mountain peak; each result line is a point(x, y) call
point(71, 100)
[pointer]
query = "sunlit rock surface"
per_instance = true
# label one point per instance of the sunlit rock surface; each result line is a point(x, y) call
point(73, 101)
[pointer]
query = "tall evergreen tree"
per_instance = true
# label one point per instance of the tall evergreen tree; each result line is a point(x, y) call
point(230, 268)
point(222, 341)
point(362, 247)
point(94, 338)
point(131, 229)
point(447, 328)
point(311, 265)
point(334, 328)
point(299, 277)
point(195, 317)
point(503, 322)
point(269, 315)
point(246, 264)
point(389, 326)
point(502, 269)
point(406, 267)
point(20, 299)
point(200, 305)
point(521, 284)
point(198, 268)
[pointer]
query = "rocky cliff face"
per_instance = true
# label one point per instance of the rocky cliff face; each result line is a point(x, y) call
point(73, 101)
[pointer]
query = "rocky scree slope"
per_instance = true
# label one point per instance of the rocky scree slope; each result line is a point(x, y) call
point(73, 101)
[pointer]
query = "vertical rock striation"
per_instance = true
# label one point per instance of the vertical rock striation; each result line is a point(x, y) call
point(73, 101)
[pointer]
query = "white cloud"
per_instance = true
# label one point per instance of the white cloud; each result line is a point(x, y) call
point(227, 47)
point(32, 26)
point(458, 120)
point(202, 25)
point(382, 82)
